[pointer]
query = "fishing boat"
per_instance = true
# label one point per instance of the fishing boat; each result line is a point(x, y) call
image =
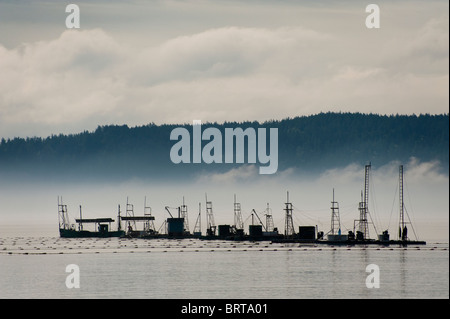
point(177, 226)
point(102, 226)
point(360, 233)
point(130, 220)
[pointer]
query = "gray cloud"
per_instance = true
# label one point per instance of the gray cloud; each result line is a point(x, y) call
point(323, 60)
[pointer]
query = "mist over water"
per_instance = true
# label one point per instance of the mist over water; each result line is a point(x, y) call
point(213, 269)
point(32, 206)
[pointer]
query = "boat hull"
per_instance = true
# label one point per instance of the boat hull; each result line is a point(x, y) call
point(71, 233)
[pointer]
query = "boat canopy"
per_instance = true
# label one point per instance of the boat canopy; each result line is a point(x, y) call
point(95, 220)
point(137, 217)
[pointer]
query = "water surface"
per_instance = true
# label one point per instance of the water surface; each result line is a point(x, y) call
point(35, 267)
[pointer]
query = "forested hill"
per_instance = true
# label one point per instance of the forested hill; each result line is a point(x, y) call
point(308, 143)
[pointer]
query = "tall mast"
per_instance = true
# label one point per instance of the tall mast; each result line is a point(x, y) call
point(238, 223)
point(402, 234)
point(149, 225)
point(269, 220)
point(289, 224)
point(335, 219)
point(184, 214)
point(80, 224)
point(63, 217)
point(211, 226)
point(119, 224)
point(130, 213)
point(364, 205)
point(198, 222)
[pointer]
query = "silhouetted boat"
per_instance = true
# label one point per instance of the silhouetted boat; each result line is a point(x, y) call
point(102, 226)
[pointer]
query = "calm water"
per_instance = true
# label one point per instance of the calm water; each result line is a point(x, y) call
point(35, 267)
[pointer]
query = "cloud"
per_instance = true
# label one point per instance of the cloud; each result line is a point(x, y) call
point(415, 172)
point(243, 173)
point(424, 54)
point(227, 52)
point(424, 172)
point(349, 174)
point(86, 78)
point(58, 82)
point(431, 41)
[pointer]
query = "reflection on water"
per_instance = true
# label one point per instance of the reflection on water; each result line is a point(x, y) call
point(403, 268)
point(34, 267)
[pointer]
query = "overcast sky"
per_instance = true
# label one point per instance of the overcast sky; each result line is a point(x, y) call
point(135, 62)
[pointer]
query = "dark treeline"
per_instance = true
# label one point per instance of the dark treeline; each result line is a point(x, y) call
point(309, 144)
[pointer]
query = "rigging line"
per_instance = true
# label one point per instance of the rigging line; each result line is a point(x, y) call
point(374, 203)
point(352, 206)
point(71, 216)
point(348, 215)
point(392, 208)
point(346, 228)
point(297, 221)
point(245, 221)
point(310, 210)
point(313, 210)
point(315, 221)
point(348, 209)
point(307, 216)
point(410, 205)
point(300, 218)
point(374, 226)
point(415, 235)
point(304, 212)
point(276, 223)
point(162, 225)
